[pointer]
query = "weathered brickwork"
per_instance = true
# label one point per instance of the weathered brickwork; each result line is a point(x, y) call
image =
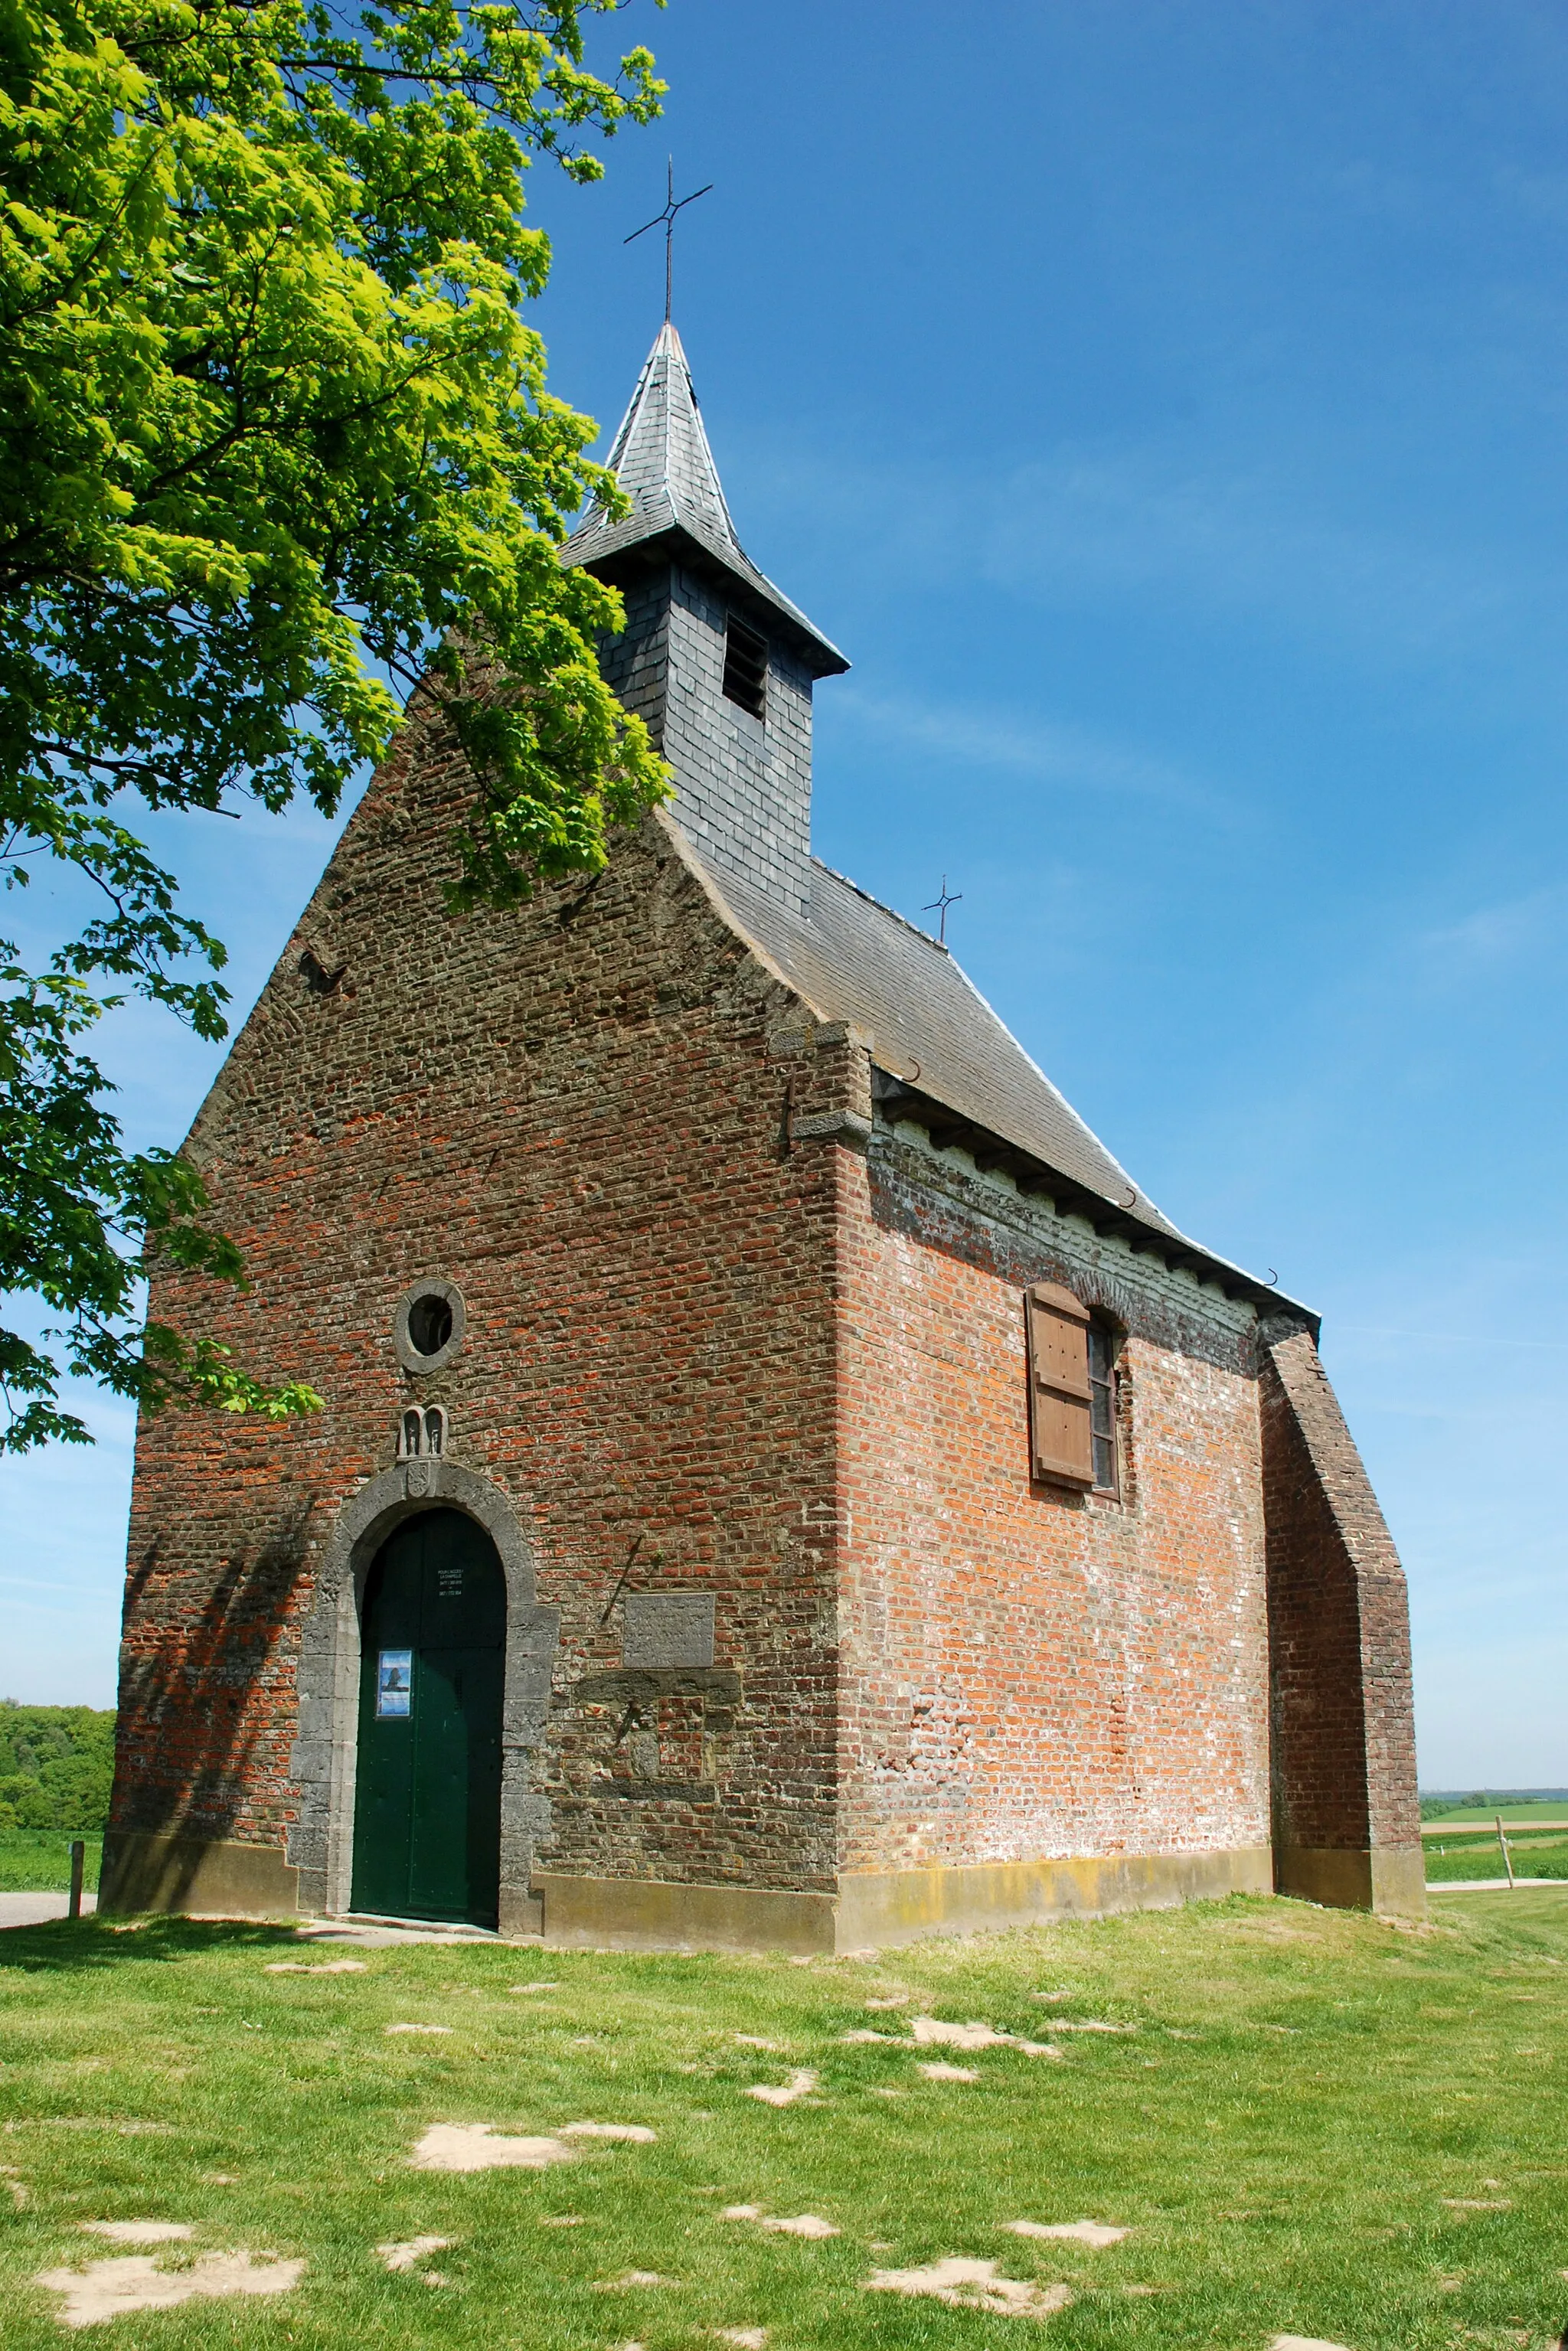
point(574, 1114)
point(1344, 1744)
point(699, 1313)
point(1027, 1672)
point(796, 1651)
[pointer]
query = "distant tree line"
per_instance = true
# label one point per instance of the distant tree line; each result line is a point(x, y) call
point(1436, 1807)
point(56, 1764)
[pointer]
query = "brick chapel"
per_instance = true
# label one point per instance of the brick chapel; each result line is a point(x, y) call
point(782, 1483)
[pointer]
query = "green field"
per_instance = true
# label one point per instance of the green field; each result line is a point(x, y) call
point(1485, 1816)
point(39, 1861)
point(1311, 2121)
point(1540, 1856)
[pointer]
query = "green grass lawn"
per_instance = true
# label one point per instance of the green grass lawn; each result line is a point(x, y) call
point(39, 1861)
point(1318, 2124)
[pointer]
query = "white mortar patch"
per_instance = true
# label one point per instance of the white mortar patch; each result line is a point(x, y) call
point(973, 2286)
point(110, 2289)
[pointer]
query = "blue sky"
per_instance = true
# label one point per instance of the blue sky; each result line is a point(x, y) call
point(1165, 405)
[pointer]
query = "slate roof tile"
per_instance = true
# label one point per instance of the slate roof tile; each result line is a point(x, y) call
point(662, 460)
point(855, 959)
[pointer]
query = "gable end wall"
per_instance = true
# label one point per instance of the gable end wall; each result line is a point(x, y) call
point(575, 1111)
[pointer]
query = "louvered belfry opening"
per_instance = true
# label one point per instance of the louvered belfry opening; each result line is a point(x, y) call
point(745, 667)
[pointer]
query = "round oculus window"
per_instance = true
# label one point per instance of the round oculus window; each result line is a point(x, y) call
point(429, 1323)
point(428, 1329)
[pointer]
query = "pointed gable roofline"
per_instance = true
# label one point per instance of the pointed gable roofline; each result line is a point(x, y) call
point(943, 1059)
point(662, 460)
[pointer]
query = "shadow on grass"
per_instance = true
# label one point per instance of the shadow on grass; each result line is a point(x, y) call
point(83, 1946)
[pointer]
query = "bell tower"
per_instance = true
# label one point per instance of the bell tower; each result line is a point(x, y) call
point(719, 663)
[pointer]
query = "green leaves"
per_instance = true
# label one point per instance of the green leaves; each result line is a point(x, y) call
point(275, 448)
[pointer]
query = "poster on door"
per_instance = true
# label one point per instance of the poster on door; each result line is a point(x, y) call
point(394, 1681)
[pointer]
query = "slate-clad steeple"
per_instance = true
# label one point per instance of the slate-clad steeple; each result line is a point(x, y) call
point(717, 659)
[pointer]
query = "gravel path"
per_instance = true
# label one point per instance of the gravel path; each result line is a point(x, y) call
point(36, 1909)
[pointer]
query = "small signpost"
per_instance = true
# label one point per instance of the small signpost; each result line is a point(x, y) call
point(78, 1860)
point(1507, 1857)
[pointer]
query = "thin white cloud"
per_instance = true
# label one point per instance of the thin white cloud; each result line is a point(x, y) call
point(1045, 749)
point(1509, 1340)
point(1139, 520)
point(1493, 936)
point(1273, 539)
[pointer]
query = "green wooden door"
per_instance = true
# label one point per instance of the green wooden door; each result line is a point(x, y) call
point(427, 1802)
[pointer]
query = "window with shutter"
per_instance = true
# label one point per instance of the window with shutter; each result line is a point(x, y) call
point(1061, 1440)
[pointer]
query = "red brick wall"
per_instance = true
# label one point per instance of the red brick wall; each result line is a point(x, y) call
point(1029, 1672)
point(575, 1111)
point(797, 1372)
point(1344, 1730)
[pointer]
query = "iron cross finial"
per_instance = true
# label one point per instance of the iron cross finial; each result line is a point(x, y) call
point(938, 906)
point(668, 217)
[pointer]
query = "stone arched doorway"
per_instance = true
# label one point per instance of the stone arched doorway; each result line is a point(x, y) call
point(427, 1785)
point(324, 1761)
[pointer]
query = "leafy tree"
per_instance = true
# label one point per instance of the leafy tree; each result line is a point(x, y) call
point(275, 453)
point(56, 1766)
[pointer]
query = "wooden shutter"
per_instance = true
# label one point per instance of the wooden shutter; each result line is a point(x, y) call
point(1062, 1444)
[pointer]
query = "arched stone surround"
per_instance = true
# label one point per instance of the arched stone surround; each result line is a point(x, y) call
point(321, 1846)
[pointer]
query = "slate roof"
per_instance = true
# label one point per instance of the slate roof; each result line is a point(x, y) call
point(855, 959)
point(661, 458)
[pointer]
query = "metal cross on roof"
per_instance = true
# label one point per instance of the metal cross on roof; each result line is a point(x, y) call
point(938, 906)
point(668, 218)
